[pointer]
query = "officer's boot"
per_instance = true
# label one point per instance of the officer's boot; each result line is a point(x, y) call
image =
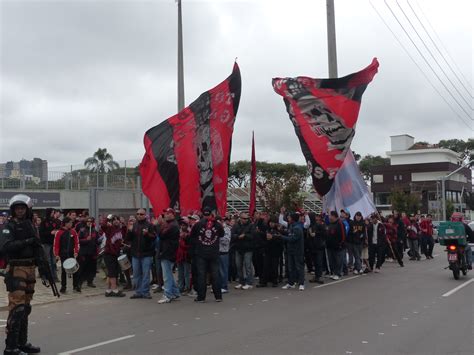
point(23, 344)
point(15, 319)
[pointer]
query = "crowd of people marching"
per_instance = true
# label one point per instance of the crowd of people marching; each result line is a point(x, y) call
point(204, 249)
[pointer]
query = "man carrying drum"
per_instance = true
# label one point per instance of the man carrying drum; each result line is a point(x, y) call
point(114, 234)
point(66, 246)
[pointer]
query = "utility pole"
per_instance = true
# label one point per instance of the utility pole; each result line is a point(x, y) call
point(332, 51)
point(180, 60)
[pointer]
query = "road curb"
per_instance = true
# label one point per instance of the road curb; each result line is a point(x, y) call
point(5, 308)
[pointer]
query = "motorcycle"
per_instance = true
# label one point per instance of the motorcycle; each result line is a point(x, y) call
point(456, 259)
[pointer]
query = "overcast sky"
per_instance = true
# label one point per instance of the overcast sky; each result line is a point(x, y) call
point(78, 75)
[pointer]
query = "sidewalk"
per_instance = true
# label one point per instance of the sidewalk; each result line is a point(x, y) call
point(45, 295)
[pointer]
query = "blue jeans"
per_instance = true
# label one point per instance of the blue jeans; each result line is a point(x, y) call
point(184, 276)
point(296, 269)
point(224, 270)
point(170, 288)
point(141, 274)
point(244, 267)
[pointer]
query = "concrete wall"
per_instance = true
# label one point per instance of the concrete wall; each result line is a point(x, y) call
point(423, 156)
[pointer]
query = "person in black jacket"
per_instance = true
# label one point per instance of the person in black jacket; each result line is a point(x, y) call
point(169, 242)
point(206, 235)
point(87, 252)
point(377, 243)
point(357, 238)
point(48, 228)
point(317, 244)
point(243, 239)
point(141, 236)
point(295, 250)
point(335, 243)
point(272, 249)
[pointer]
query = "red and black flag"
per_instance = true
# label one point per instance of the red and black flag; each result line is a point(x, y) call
point(186, 163)
point(324, 113)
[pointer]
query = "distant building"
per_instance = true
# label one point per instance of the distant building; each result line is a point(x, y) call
point(417, 169)
point(35, 170)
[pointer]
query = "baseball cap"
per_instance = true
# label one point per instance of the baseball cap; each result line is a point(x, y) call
point(169, 210)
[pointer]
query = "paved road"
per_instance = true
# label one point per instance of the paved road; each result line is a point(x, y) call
point(399, 311)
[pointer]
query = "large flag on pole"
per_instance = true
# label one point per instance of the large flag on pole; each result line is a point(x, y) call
point(324, 113)
point(349, 191)
point(253, 181)
point(186, 163)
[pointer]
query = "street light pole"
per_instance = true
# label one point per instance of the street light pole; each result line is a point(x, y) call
point(443, 185)
point(331, 28)
point(180, 60)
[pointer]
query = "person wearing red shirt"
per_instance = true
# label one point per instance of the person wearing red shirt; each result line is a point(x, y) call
point(114, 234)
point(427, 242)
point(66, 245)
point(391, 230)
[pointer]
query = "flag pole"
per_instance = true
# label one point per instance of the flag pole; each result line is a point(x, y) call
point(332, 51)
point(180, 60)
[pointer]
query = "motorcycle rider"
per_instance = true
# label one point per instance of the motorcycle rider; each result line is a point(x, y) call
point(458, 217)
point(20, 242)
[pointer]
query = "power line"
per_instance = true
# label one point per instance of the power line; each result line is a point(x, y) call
point(420, 69)
point(444, 47)
point(437, 48)
point(424, 58)
point(434, 58)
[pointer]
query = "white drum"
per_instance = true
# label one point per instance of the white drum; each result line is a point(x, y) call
point(70, 266)
point(124, 262)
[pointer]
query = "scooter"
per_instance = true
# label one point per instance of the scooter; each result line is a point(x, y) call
point(456, 259)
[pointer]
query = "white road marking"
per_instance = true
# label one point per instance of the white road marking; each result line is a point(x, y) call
point(3, 320)
point(416, 312)
point(365, 342)
point(405, 318)
point(175, 324)
point(394, 325)
point(68, 313)
point(276, 297)
point(264, 300)
point(216, 313)
point(96, 345)
point(250, 304)
point(151, 331)
point(348, 352)
point(197, 318)
point(338, 281)
point(381, 333)
point(454, 290)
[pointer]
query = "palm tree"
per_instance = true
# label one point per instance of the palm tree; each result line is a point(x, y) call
point(101, 162)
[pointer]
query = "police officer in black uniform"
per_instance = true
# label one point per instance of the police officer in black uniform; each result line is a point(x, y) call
point(20, 242)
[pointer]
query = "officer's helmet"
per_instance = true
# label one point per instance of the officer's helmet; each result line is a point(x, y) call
point(20, 200)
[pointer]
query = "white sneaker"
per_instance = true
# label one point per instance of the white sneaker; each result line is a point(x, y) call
point(247, 287)
point(288, 286)
point(154, 286)
point(301, 288)
point(335, 277)
point(192, 293)
point(377, 270)
point(238, 287)
point(224, 291)
point(164, 299)
point(356, 272)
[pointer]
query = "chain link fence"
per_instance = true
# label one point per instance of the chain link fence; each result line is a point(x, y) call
point(76, 177)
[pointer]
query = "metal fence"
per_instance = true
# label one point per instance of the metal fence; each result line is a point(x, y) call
point(76, 177)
